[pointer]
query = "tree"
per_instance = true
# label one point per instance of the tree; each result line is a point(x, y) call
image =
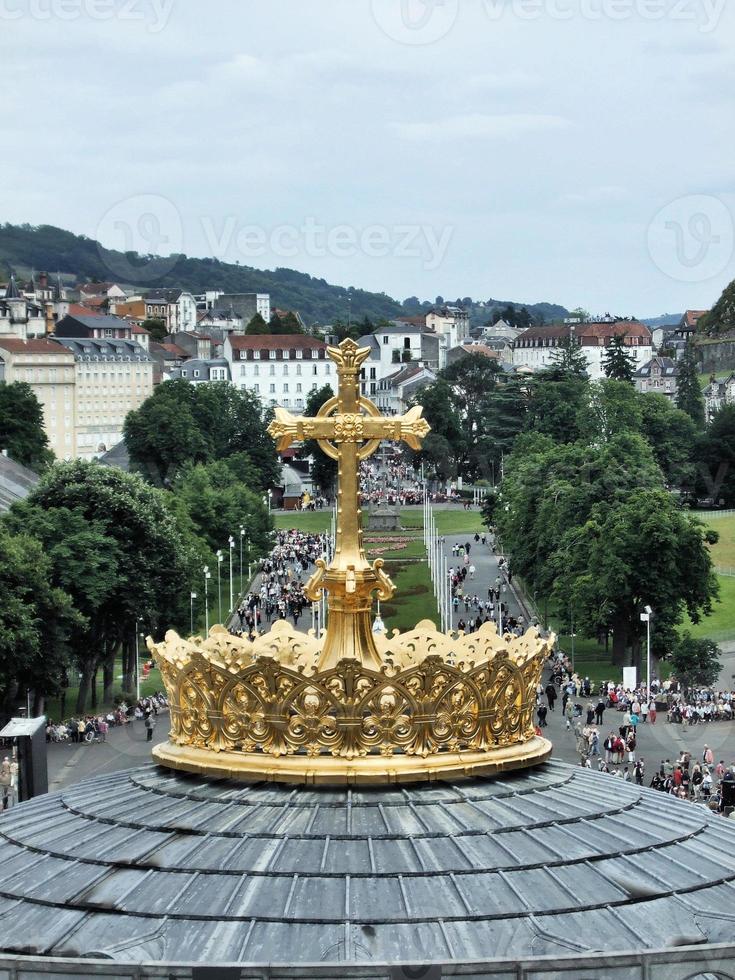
point(36, 621)
point(715, 458)
point(444, 447)
point(182, 423)
point(323, 469)
point(556, 405)
point(138, 566)
point(721, 318)
point(21, 427)
point(695, 663)
point(217, 503)
point(257, 326)
point(689, 397)
point(568, 358)
point(618, 362)
point(156, 328)
point(672, 435)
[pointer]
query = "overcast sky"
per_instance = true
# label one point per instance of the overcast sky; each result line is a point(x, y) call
point(575, 151)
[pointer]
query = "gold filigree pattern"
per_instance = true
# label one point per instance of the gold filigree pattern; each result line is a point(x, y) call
point(435, 694)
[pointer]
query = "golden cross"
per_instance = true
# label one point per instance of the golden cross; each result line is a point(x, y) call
point(349, 428)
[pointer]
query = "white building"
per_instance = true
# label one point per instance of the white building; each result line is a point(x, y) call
point(452, 322)
point(19, 316)
point(281, 369)
point(396, 392)
point(535, 349)
point(176, 307)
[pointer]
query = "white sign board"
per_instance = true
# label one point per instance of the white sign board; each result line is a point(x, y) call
point(630, 678)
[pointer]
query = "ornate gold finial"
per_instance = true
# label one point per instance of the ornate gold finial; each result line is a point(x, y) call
point(351, 706)
point(349, 428)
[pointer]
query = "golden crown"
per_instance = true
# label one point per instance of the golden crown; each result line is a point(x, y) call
point(440, 704)
point(351, 705)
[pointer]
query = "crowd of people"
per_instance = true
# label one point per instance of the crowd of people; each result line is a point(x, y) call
point(699, 780)
point(281, 592)
point(95, 727)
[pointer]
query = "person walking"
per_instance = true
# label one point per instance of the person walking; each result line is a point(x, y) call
point(150, 724)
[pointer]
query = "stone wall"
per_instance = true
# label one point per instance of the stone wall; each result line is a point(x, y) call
point(716, 355)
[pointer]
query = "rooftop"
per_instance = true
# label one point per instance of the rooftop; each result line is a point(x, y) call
point(148, 865)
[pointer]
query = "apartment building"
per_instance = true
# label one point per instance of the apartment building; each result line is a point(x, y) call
point(111, 378)
point(535, 348)
point(281, 369)
point(49, 370)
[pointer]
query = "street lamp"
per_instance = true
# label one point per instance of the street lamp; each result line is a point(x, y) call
point(220, 559)
point(137, 659)
point(207, 577)
point(646, 618)
point(192, 597)
point(242, 535)
point(231, 542)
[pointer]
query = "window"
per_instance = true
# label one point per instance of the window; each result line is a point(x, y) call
point(313, 387)
point(256, 370)
point(315, 369)
point(272, 389)
point(298, 370)
point(272, 355)
point(183, 373)
point(285, 389)
point(244, 371)
point(256, 355)
point(285, 370)
point(256, 389)
point(272, 370)
point(298, 389)
point(407, 343)
point(372, 374)
point(385, 339)
point(196, 374)
point(299, 355)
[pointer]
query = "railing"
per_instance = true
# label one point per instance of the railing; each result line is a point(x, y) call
point(728, 572)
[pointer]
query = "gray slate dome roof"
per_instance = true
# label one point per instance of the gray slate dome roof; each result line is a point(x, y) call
point(150, 865)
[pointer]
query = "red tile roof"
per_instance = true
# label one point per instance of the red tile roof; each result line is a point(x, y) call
point(270, 341)
point(17, 346)
point(77, 309)
point(692, 317)
point(587, 331)
point(480, 349)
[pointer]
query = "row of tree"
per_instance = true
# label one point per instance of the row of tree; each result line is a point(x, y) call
point(95, 556)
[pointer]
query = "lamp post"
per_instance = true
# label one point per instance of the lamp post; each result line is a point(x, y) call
point(231, 542)
point(137, 659)
point(242, 535)
point(207, 577)
point(192, 597)
point(220, 559)
point(646, 618)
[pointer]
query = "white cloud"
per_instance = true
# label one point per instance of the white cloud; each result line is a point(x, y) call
point(479, 125)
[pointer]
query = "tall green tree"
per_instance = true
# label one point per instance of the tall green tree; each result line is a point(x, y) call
point(618, 362)
point(689, 397)
point(568, 358)
point(135, 573)
point(183, 423)
point(156, 327)
point(443, 449)
point(257, 326)
point(556, 405)
point(715, 458)
point(21, 427)
point(37, 620)
point(695, 663)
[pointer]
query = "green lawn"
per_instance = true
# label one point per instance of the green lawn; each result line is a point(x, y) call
point(414, 599)
point(720, 625)
point(723, 553)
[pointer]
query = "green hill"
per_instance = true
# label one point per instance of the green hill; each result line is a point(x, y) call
point(45, 247)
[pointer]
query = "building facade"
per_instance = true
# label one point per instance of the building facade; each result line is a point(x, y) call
point(536, 348)
point(111, 378)
point(451, 322)
point(659, 376)
point(49, 370)
point(281, 369)
point(246, 305)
